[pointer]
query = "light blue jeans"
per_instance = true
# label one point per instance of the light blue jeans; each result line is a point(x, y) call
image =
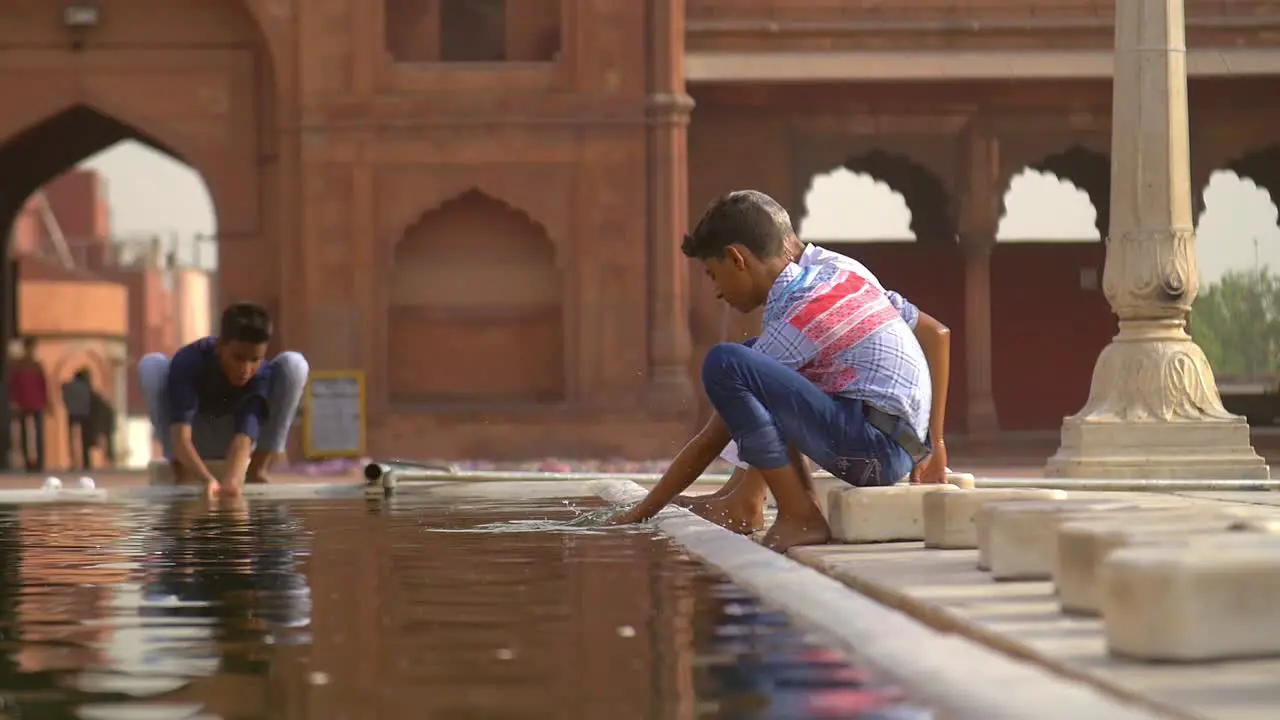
point(212, 436)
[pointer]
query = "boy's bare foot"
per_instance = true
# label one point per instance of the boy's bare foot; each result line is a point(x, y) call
point(688, 501)
point(788, 532)
point(732, 513)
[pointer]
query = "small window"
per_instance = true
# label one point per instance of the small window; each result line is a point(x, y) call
point(473, 30)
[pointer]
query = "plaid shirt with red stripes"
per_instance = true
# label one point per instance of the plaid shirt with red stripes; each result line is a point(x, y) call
point(849, 337)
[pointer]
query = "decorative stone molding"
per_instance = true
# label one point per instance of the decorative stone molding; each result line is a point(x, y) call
point(1151, 274)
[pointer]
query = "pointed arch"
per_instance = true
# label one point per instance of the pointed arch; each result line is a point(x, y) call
point(476, 293)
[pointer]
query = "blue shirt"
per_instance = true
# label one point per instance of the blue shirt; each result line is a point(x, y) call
point(197, 386)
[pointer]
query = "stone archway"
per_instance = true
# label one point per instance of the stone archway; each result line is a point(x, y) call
point(1088, 170)
point(195, 80)
point(476, 305)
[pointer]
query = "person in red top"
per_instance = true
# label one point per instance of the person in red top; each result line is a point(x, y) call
point(30, 397)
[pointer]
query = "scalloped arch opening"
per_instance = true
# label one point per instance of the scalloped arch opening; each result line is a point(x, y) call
point(1089, 171)
point(1262, 167)
point(878, 196)
point(476, 298)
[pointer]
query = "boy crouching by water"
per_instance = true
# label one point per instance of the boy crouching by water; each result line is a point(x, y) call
point(218, 399)
point(837, 375)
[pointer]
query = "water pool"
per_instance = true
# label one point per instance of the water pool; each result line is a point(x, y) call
point(353, 608)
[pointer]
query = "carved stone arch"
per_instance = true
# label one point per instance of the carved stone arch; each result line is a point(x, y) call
point(476, 292)
point(932, 219)
point(463, 192)
point(1262, 168)
point(922, 168)
point(1087, 169)
point(73, 358)
point(60, 119)
point(518, 193)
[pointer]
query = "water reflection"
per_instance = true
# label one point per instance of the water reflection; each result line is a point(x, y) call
point(333, 609)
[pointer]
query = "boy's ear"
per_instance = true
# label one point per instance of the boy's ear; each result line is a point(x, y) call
point(735, 257)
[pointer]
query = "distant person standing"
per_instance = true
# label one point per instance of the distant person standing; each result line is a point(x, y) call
point(102, 426)
point(77, 398)
point(29, 394)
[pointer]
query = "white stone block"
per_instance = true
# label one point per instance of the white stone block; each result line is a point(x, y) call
point(823, 488)
point(880, 514)
point(1020, 537)
point(1084, 544)
point(948, 516)
point(1216, 598)
point(1144, 502)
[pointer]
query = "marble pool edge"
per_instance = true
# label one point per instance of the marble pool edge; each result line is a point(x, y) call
point(960, 677)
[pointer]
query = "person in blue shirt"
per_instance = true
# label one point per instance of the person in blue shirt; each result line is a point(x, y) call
point(219, 399)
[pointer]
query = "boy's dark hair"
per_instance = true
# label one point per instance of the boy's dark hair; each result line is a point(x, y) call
point(743, 217)
point(29, 342)
point(245, 322)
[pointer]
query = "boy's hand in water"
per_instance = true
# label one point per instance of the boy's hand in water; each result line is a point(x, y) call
point(212, 488)
point(627, 516)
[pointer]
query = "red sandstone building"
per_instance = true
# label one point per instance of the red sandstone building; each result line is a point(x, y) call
point(96, 302)
point(478, 202)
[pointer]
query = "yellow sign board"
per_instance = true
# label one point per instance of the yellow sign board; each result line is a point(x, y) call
point(333, 415)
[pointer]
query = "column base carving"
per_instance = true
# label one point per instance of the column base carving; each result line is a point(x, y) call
point(671, 391)
point(982, 421)
point(1154, 412)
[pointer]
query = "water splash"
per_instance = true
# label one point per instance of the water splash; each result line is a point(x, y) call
point(589, 521)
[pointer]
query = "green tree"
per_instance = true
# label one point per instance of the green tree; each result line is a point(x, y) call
point(1236, 320)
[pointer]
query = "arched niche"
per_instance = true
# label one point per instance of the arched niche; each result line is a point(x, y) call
point(476, 308)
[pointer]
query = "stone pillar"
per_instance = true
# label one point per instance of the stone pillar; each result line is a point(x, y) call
point(981, 418)
point(668, 109)
point(980, 217)
point(1153, 409)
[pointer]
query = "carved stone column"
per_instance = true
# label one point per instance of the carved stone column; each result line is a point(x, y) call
point(981, 419)
point(668, 106)
point(1153, 409)
point(980, 217)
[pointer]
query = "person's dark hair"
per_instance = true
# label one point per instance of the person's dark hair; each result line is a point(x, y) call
point(29, 343)
point(245, 322)
point(743, 217)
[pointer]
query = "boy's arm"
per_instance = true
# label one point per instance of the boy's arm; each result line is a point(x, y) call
point(184, 370)
point(248, 418)
point(935, 340)
point(692, 461)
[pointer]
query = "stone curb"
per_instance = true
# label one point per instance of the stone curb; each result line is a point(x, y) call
point(960, 677)
point(945, 620)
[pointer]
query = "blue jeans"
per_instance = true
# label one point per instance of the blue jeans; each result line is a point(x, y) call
point(768, 407)
point(212, 435)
